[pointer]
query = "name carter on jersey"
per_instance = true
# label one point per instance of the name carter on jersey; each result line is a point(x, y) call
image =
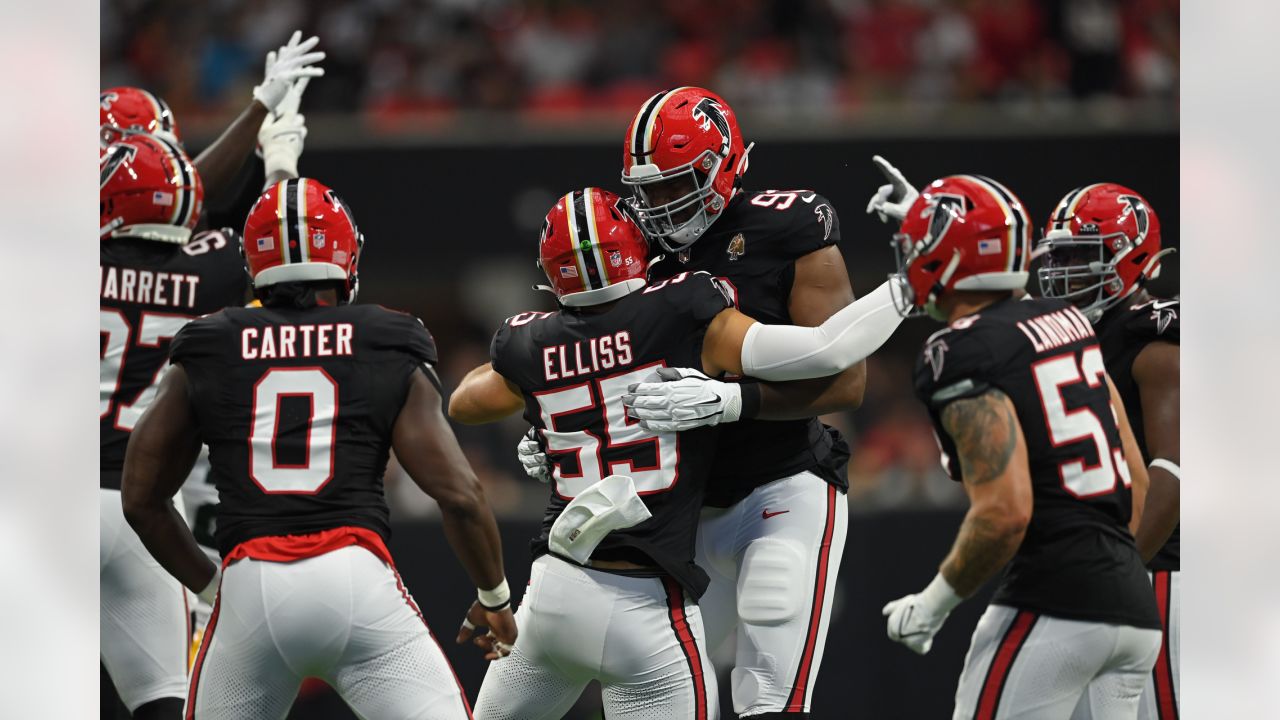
point(292, 341)
point(146, 287)
point(602, 353)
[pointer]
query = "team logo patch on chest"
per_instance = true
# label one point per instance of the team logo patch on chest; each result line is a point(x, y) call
point(737, 246)
point(934, 355)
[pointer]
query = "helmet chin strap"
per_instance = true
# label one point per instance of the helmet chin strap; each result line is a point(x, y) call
point(931, 306)
point(1153, 262)
point(742, 162)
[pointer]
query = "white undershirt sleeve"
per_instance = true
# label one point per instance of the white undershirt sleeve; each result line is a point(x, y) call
point(790, 352)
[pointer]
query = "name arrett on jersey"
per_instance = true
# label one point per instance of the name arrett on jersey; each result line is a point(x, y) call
point(146, 287)
point(602, 353)
point(292, 341)
point(1055, 329)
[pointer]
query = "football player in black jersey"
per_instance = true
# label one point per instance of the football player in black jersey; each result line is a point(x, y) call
point(1031, 424)
point(300, 402)
point(1101, 246)
point(773, 533)
point(152, 281)
point(614, 586)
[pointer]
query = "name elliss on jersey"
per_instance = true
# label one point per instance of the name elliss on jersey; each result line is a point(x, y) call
point(293, 341)
point(146, 287)
point(586, 356)
point(1056, 329)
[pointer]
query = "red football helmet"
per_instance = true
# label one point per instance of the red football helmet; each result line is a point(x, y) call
point(301, 231)
point(683, 155)
point(149, 189)
point(126, 110)
point(964, 232)
point(1101, 244)
point(591, 249)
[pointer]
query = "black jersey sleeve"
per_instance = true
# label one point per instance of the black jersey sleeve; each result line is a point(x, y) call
point(700, 295)
point(196, 341)
point(955, 364)
point(498, 347)
point(810, 224)
point(406, 333)
point(1156, 321)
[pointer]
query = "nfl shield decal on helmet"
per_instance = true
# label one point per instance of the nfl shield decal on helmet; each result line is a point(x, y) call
point(615, 258)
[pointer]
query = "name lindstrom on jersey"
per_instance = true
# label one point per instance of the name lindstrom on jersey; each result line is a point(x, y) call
point(1056, 329)
point(601, 353)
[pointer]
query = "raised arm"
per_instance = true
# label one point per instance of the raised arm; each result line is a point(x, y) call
point(284, 78)
point(484, 396)
point(162, 448)
point(992, 453)
point(1157, 370)
point(820, 289)
point(428, 451)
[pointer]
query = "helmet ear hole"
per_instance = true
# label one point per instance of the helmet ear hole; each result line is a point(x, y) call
point(932, 266)
point(1141, 259)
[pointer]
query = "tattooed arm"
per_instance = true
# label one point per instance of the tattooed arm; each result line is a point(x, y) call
point(993, 461)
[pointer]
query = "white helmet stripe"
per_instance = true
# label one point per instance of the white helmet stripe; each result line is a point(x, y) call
point(640, 126)
point(653, 120)
point(282, 212)
point(574, 232)
point(593, 234)
point(303, 243)
point(1017, 237)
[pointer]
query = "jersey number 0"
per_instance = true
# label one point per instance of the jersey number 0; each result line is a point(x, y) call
point(306, 478)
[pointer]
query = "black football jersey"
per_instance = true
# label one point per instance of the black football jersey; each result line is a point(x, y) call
point(148, 290)
point(574, 366)
point(1124, 332)
point(753, 247)
point(297, 408)
point(1078, 559)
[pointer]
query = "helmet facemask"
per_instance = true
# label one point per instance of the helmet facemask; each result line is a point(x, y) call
point(907, 253)
point(677, 224)
point(1081, 270)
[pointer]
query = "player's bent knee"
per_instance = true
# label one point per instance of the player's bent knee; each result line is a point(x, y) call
point(771, 587)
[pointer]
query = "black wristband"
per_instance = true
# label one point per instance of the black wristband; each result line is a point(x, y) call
point(498, 608)
point(750, 400)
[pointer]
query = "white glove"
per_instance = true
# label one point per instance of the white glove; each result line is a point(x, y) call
point(532, 457)
point(675, 399)
point(915, 619)
point(291, 62)
point(608, 505)
point(281, 139)
point(881, 203)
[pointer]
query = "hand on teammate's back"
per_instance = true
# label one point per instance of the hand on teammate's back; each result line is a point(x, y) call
point(501, 625)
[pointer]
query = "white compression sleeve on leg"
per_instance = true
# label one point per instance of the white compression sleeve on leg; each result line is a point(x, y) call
point(790, 352)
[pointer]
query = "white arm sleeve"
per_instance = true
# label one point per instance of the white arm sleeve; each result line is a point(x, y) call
point(790, 352)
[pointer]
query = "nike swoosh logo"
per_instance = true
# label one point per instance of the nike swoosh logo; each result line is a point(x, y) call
point(810, 198)
point(716, 401)
point(765, 514)
point(1162, 304)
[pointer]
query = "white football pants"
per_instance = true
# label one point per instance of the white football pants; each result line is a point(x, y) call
point(1029, 666)
point(344, 617)
point(773, 560)
point(142, 613)
point(641, 638)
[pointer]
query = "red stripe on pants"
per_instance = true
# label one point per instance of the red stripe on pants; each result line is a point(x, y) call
point(800, 688)
point(204, 649)
point(998, 673)
point(1162, 674)
point(409, 600)
point(688, 644)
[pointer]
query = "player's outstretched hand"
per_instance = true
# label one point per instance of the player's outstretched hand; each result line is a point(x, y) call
point(913, 620)
point(892, 201)
point(532, 457)
point(676, 399)
point(501, 625)
point(293, 61)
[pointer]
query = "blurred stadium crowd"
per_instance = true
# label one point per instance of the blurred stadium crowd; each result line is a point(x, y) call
point(391, 58)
